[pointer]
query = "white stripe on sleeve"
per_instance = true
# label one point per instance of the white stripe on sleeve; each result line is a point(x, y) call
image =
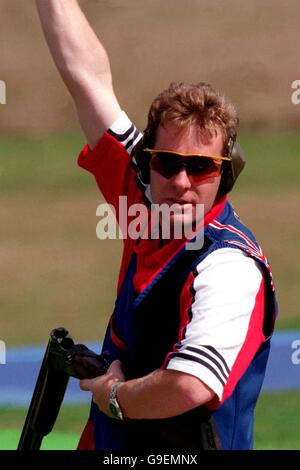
point(125, 132)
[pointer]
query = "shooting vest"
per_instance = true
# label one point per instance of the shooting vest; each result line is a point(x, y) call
point(143, 330)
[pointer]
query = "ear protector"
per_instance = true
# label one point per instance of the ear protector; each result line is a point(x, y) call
point(230, 169)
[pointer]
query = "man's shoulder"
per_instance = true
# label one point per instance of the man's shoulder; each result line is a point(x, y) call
point(125, 132)
point(228, 230)
point(227, 264)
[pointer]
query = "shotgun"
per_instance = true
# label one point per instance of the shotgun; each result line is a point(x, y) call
point(63, 359)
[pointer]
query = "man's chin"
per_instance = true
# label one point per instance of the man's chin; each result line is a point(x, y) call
point(178, 226)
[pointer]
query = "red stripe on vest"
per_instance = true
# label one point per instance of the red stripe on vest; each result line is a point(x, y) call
point(87, 438)
point(115, 339)
point(252, 343)
point(186, 300)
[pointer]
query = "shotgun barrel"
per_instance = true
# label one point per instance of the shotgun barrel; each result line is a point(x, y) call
point(62, 359)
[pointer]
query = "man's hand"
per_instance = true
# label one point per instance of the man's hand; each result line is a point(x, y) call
point(101, 386)
point(161, 394)
point(83, 64)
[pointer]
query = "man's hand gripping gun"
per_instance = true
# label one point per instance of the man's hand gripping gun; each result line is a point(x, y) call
point(63, 359)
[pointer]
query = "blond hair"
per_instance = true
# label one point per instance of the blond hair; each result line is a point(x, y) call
point(187, 105)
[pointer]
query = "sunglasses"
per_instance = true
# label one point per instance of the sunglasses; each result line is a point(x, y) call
point(197, 166)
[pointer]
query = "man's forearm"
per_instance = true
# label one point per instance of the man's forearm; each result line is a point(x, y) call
point(162, 394)
point(82, 62)
point(74, 46)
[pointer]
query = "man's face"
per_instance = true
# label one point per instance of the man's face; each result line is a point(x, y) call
point(182, 188)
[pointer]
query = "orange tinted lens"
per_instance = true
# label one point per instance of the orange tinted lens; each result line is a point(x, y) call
point(201, 168)
point(169, 164)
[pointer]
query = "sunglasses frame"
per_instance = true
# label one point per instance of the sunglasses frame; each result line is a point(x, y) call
point(183, 156)
point(174, 152)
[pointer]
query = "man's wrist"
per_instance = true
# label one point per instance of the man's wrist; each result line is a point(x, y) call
point(114, 406)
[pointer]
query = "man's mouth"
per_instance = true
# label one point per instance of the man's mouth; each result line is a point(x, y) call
point(181, 202)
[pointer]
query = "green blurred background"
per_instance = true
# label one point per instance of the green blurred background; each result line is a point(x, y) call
point(54, 271)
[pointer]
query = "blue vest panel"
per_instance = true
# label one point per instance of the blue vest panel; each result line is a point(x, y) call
point(148, 324)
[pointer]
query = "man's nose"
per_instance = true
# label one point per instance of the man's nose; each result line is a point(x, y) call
point(181, 180)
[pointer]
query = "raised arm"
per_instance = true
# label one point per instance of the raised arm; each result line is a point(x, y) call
point(83, 64)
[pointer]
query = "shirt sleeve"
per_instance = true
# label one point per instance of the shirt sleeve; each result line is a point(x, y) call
point(112, 164)
point(222, 315)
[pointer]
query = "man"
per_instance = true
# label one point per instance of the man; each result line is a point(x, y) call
point(189, 336)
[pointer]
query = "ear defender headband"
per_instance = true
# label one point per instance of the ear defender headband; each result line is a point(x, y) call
point(230, 169)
